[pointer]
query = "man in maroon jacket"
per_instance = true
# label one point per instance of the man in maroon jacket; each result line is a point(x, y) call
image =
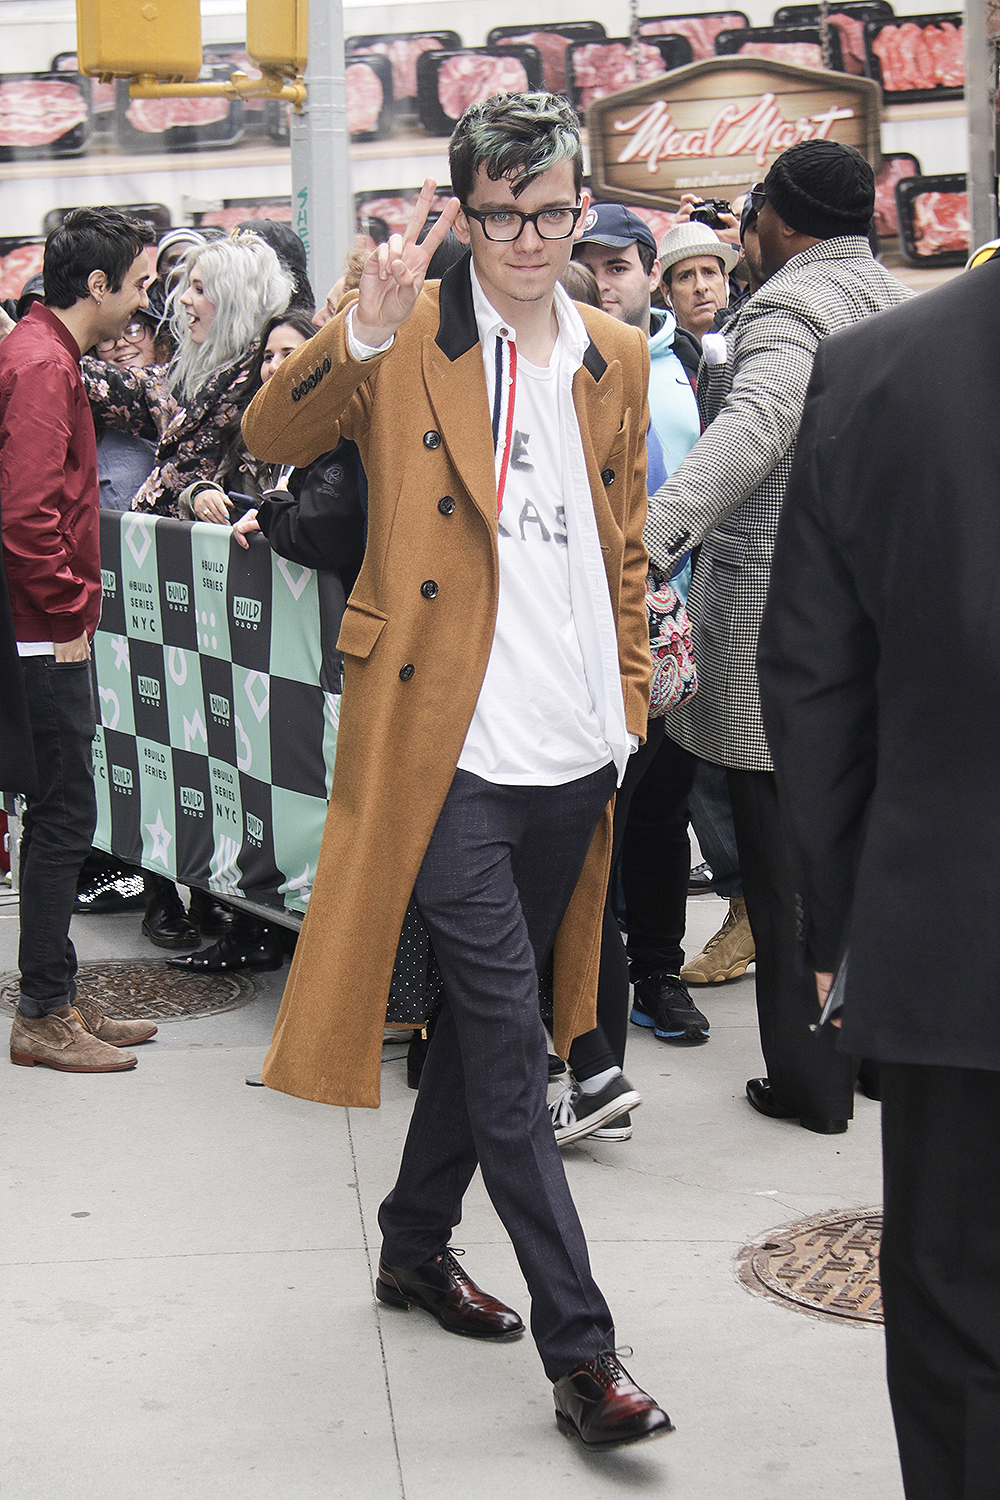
point(95, 272)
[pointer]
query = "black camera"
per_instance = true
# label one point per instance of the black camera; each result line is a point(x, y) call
point(709, 211)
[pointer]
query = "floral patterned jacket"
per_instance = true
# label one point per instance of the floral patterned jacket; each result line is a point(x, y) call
point(189, 439)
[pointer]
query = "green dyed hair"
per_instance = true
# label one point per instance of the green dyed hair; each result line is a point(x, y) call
point(518, 136)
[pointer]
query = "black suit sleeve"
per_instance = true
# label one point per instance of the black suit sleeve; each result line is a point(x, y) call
point(320, 522)
point(817, 662)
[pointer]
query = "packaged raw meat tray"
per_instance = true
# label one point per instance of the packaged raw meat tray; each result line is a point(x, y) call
point(370, 103)
point(20, 259)
point(150, 125)
point(368, 84)
point(448, 82)
point(894, 168)
point(700, 30)
point(388, 210)
point(235, 210)
point(848, 19)
point(552, 40)
point(802, 46)
point(596, 69)
point(43, 114)
point(402, 48)
point(934, 219)
point(917, 58)
point(102, 95)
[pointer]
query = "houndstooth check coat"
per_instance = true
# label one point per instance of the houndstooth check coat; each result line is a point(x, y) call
point(727, 494)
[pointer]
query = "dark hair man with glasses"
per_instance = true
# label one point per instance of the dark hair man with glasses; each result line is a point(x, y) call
point(496, 681)
point(95, 271)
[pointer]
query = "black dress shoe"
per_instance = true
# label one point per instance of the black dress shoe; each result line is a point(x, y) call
point(441, 1287)
point(600, 1403)
point(239, 949)
point(209, 915)
point(762, 1097)
point(166, 923)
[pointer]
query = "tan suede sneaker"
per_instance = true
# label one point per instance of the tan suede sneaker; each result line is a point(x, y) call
point(115, 1033)
point(64, 1043)
point(727, 954)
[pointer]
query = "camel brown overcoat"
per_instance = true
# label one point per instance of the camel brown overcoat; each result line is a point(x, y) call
point(416, 638)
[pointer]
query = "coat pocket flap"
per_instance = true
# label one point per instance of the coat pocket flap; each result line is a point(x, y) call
point(360, 629)
point(725, 549)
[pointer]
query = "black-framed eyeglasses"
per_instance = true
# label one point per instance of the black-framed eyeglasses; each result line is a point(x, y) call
point(758, 197)
point(507, 224)
point(133, 334)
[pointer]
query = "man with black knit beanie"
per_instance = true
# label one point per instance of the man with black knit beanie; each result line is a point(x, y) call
point(813, 214)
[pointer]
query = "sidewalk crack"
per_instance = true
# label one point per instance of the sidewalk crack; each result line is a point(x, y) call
point(378, 1318)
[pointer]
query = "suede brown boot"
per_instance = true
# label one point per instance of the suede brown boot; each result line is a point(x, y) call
point(115, 1033)
point(61, 1041)
point(727, 954)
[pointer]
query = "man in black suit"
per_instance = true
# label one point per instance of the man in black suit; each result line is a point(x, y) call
point(879, 666)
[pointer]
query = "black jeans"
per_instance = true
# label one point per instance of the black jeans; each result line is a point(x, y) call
point(604, 1047)
point(495, 882)
point(656, 862)
point(58, 828)
point(940, 1270)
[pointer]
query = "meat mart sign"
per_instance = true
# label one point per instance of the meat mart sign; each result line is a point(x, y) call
point(716, 126)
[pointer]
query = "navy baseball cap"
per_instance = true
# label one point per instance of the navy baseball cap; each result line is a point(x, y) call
point(616, 226)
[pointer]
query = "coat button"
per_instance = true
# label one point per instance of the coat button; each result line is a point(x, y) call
point(432, 439)
point(607, 476)
point(429, 589)
point(406, 671)
point(446, 505)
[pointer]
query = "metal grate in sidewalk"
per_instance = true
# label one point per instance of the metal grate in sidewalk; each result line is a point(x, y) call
point(130, 989)
point(827, 1265)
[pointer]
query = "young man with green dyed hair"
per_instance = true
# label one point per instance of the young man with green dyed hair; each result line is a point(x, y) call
point(496, 682)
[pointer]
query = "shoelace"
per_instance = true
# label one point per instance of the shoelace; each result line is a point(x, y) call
point(608, 1363)
point(727, 926)
point(561, 1109)
point(448, 1260)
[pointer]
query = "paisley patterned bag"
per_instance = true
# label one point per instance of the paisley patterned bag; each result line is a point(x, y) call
point(674, 676)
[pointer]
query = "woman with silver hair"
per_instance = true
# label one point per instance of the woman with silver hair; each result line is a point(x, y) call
point(229, 290)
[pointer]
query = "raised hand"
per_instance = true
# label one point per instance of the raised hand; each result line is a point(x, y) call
point(394, 272)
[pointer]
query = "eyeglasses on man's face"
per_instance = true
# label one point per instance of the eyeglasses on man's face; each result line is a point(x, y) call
point(504, 225)
point(135, 333)
point(758, 197)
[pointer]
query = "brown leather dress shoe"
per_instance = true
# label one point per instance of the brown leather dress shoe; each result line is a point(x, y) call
point(115, 1033)
point(441, 1287)
point(600, 1402)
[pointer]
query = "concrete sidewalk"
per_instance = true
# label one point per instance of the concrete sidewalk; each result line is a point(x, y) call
point(188, 1309)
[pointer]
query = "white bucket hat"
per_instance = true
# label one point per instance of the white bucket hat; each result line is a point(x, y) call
point(685, 241)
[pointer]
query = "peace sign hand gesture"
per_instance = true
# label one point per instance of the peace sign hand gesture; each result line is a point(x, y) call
point(394, 272)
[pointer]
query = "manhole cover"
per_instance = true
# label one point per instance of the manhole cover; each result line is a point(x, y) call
point(134, 990)
point(827, 1265)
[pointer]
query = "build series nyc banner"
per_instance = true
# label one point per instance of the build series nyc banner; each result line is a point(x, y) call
point(218, 693)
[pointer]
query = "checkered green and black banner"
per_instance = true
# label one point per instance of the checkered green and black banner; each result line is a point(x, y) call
point(218, 690)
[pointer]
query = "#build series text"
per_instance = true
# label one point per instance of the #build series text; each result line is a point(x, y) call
point(736, 130)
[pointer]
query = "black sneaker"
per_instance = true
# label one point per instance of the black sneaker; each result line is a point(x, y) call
point(661, 1002)
point(575, 1114)
point(614, 1130)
